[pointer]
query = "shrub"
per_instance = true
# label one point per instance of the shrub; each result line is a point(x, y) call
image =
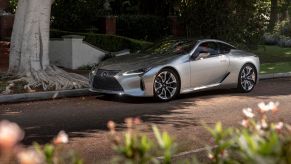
point(277, 39)
point(107, 42)
point(76, 15)
point(259, 141)
point(145, 27)
point(135, 147)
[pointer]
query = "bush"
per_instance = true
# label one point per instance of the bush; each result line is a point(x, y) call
point(259, 141)
point(145, 27)
point(277, 39)
point(76, 15)
point(107, 42)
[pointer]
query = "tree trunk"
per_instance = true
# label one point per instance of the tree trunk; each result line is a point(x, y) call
point(29, 54)
point(30, 37)
point(274, 15)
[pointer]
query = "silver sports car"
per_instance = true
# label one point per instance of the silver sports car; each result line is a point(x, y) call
point(175, 67)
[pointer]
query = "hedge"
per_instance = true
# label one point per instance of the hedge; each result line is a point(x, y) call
point(107, 42)
point(145, 27)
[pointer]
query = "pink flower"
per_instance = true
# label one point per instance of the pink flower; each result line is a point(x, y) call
point(264, 123)
point(271, 106)
point(137, 121)
point(111, 126)
point(245, 123)
point(279, 125)
point(10, 134)
point(62, 138)
point(248, 112)
point(30, 157)
point(129, 123)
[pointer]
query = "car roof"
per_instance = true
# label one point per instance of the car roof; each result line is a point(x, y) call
point(198, 40)
point(215, 40)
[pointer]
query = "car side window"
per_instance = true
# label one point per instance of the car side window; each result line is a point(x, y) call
point(206, 49)
point(224, 48)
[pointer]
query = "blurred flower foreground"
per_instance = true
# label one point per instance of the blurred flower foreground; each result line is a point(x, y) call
point(259, 140)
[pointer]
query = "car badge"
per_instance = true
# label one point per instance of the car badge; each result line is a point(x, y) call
point(104, 74)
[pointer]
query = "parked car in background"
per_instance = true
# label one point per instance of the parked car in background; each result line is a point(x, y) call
point(177, 66)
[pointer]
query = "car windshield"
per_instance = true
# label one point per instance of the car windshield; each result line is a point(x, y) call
point(171, 47)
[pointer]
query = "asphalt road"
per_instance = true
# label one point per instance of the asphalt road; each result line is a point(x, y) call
point(85, 118)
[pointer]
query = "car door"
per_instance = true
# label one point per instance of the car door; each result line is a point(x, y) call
point(208, 66)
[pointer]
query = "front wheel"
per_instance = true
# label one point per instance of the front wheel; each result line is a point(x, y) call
point(247, 78)
point(166, 85)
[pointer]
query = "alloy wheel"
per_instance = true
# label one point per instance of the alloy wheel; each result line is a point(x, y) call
point(248, 78)
point(166, 85)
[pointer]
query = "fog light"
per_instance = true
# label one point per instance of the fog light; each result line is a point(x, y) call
point(120, 94)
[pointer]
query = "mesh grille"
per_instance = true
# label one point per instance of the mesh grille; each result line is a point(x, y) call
point(104, 80)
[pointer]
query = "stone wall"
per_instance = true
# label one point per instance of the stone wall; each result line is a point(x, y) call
point(72, 52)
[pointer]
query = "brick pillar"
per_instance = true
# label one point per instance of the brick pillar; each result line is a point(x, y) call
point(4, 56)
point(6, 25)
point(110, 25)
point(6, 20)
point(3, 4)
point(175, 27)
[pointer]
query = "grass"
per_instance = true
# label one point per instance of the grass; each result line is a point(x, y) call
point(273, 54)
point(282, 67)
point(274, 59)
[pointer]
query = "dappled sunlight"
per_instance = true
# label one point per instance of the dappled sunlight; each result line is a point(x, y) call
point(87, 116)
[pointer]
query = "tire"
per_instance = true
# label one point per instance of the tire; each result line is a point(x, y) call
point(247, 78)
point(166, 85)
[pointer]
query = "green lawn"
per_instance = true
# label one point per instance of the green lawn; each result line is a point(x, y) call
point(282, 67)
point(274, 59)
point(273, 54)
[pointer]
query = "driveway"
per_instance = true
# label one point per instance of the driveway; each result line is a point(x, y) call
point(85, 118)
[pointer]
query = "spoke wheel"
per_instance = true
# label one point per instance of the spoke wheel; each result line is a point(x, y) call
point(247, 78)
point(166, 85)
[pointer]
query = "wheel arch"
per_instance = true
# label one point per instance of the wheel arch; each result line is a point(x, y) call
point(175, 70)
point(177, 74)
point(254, 65)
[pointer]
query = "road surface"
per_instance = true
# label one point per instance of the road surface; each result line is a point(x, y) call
point(85, 118)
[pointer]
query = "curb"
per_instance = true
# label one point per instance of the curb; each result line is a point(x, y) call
point(189, 154)
point(50, 95)
point(24, 97)
point(275, 75)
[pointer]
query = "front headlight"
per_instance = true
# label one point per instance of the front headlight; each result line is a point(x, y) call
point(136, 72)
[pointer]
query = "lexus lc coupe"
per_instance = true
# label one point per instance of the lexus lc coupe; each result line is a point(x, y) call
point(177, 66)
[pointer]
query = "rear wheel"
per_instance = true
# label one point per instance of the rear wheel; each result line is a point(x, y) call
point(247, 78)
point(166, 85)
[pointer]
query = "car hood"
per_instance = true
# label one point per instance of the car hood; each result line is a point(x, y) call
point(136, 61)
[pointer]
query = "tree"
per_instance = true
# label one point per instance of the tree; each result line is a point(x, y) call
point(273, 15)
point(29, 52)
point(237, 21)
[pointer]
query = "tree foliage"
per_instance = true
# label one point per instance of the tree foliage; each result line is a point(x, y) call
point(231, 20)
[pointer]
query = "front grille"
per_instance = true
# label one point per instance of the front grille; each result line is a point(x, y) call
point(104, 80)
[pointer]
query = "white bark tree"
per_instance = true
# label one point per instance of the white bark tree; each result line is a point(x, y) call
point(29, 52)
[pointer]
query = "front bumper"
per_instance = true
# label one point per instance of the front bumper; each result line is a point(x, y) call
point(138, 86)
